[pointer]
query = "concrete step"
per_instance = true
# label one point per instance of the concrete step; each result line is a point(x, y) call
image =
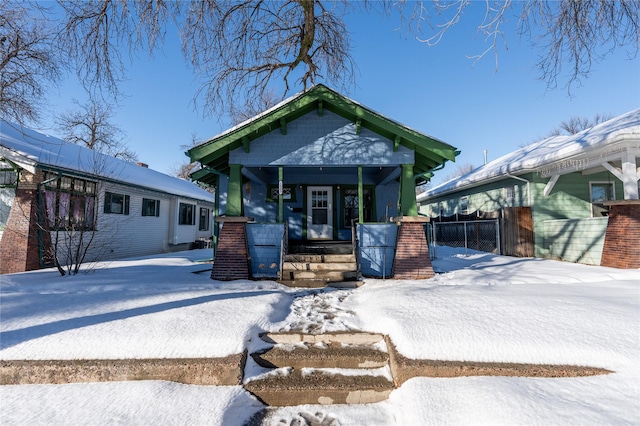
point(320, 258)
point(331, 368)
point(299, 266)
point(287, 387)
point(327, 276)
point(307, 283)
point(322, 356)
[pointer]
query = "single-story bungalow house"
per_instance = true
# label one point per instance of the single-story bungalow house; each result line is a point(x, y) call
point(52, 194)
point(576, 188)
point(319, 167)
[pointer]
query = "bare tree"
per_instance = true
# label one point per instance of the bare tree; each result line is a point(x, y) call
point(28, 63)
point(90, 126)
point(240, 49)
point(577, 124)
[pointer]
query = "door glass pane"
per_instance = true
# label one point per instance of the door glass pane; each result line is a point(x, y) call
point(319, 217)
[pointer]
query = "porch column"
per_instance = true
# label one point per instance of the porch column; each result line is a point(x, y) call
point(360, 196)
point(622, 238)
point(234, 192)
point(630, 176)
point(280, 200)
point(408, 203)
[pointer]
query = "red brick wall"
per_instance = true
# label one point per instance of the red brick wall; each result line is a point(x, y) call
point(412, 261)
point(622, 240)
point(232, 257)
point(19, 248)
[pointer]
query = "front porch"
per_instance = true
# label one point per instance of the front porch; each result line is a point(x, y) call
point(304, 171)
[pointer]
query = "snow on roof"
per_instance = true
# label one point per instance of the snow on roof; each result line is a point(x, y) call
point(547, 151)
point(29, 148)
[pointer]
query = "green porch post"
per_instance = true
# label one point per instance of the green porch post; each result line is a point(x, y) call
point(360, 196)
point(234, 192)
point(280, 198)
point(408, 203)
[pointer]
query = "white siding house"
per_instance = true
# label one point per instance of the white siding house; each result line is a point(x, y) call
point(125, 208)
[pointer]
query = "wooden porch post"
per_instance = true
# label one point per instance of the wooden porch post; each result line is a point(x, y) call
point(280, 200)
point(360, 196)
point(408, 202)
point(234, 192)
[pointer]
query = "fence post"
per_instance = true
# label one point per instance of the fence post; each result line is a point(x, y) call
point(466, 243)
point(498, 237)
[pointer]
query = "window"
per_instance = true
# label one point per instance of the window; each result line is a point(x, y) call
point(508, 195)
point(350, 206)
point(116, 203)
point(203, 225)
point(187, 214)
point(464, 205)
point(599, 193)
point(288, 193)
point(150, 207)
point(69, 202)
point(8, 175)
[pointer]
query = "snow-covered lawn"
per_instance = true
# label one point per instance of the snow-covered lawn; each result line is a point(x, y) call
point(481, 307)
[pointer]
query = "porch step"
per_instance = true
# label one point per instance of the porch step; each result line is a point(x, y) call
point(320, 258)
point(310, 270)
point(339, 368)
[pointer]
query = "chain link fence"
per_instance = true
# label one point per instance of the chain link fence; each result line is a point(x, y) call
point(480, 235)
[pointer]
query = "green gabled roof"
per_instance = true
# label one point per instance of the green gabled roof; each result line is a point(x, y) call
point(214, 153)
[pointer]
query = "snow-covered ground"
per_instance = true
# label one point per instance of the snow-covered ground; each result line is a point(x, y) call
point(481, 307)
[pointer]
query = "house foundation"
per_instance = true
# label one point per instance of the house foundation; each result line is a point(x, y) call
point(622, 238)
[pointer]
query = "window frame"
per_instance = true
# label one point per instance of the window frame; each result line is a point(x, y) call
point(463, 204)
point(369, 212)
point(207, 218)
point(108, 206)
point(602, 209)
point(182, 218)
point(156, 207)
point(69, 202)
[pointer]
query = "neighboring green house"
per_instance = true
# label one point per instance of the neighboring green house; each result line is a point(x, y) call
point(315, 162)
point(565, 180)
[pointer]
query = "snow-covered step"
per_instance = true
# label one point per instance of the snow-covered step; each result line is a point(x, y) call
point(332, 368)
point(321, 355)
point(289, 386)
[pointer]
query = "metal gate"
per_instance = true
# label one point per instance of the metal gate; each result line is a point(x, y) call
point(480, 235)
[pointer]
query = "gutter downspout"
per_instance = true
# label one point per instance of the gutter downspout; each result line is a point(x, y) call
point(528, 186)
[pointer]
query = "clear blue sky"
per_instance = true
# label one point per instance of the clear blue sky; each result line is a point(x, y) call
point(435, 90)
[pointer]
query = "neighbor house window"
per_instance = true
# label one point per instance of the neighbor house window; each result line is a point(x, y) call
point(508, 195)
point(70, 202)
point(150, 207)
point(116, 203)
point(203, 224)
point(187, 214)
point(8, 175)
point(599, 193)
point(464, 205)
point(350, 206)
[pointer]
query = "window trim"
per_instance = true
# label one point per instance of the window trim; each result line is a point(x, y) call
point(208, 219)
point(78, 199)
point(126, 203)
point(192, 217)
point(464, 201)
point(156, 207)
point(591, 202)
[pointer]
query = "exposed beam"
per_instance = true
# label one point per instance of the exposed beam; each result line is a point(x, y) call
point(358, 124)
point(256, 175)
point(550, 185)
point(283, 125)
point(396, 143)
point(387, 174)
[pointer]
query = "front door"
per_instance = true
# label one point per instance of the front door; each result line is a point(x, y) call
point(319, 213)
